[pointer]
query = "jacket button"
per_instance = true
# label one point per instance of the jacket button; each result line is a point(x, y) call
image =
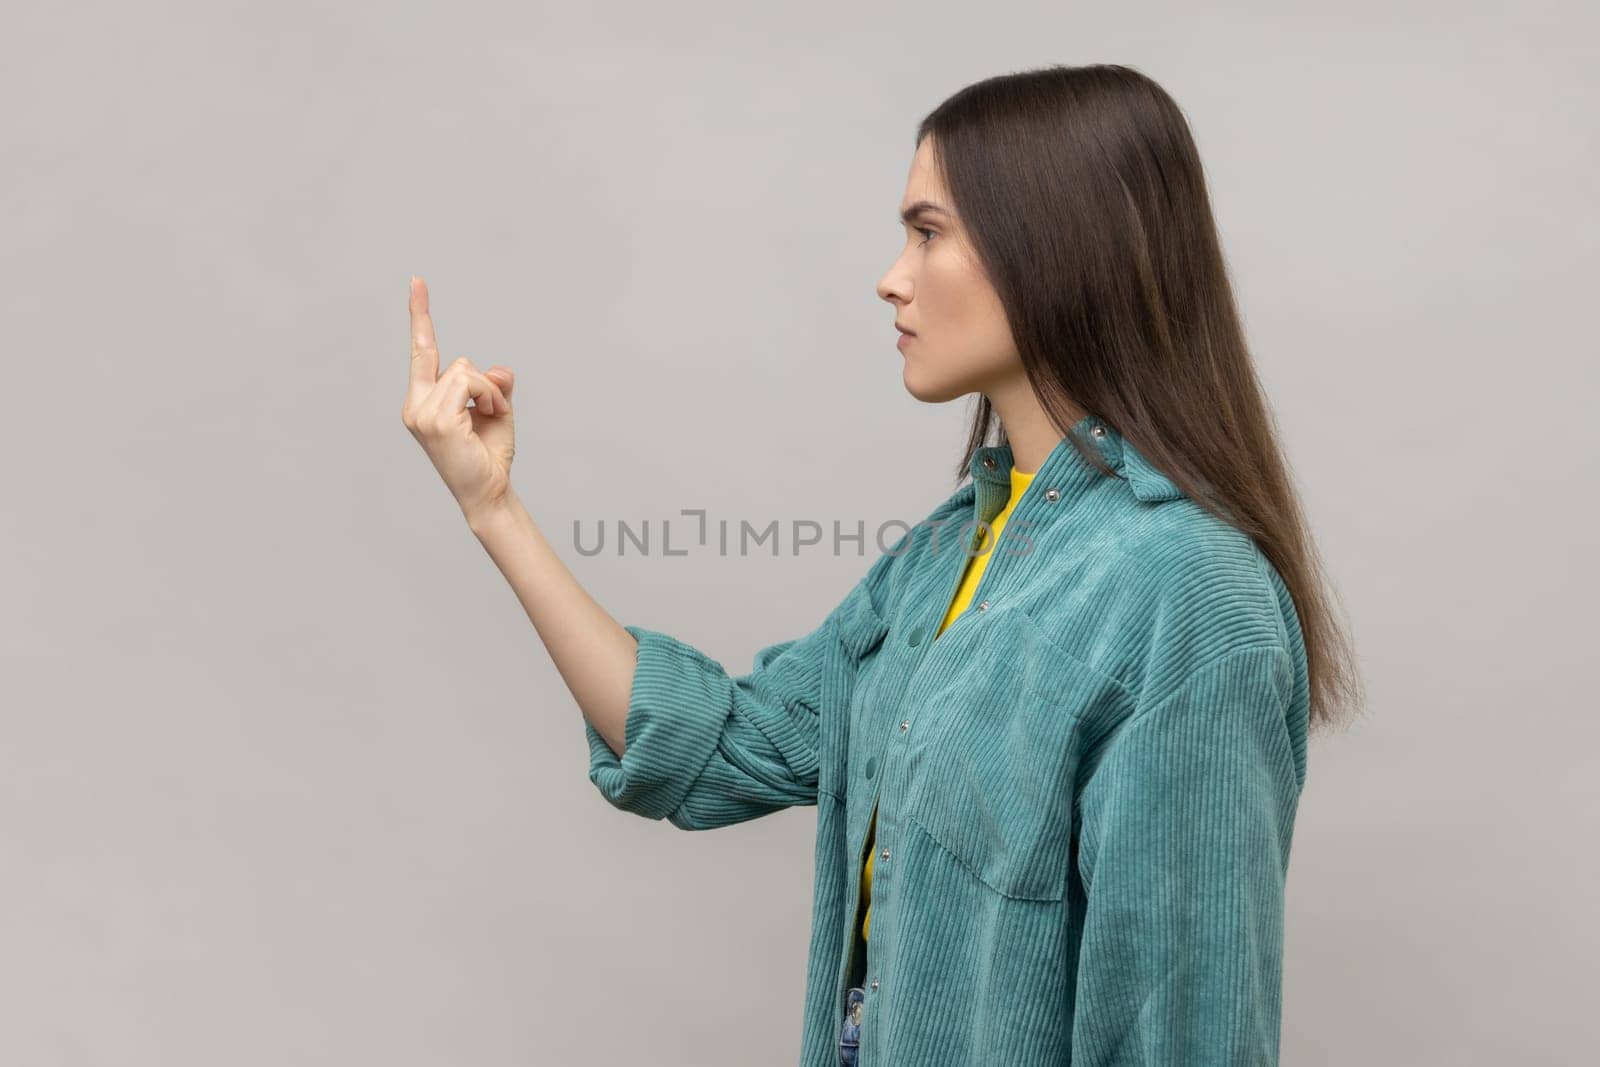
point(905, 724)
point(1052, 494)
point(988, 461)
point(983, 606)
point(884, 854)
point(874, 985)
point(914, 638)
point(872, 765)
point(1099, 431)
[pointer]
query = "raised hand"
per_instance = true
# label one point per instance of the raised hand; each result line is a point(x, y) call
point(471, 447)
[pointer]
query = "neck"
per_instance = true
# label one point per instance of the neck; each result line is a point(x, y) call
point(1028, 428)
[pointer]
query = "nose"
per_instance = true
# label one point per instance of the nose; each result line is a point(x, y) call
point(894, 288)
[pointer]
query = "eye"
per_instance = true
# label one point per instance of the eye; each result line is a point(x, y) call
point(922, 229)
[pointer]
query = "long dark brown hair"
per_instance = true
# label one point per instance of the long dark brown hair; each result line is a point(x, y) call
point(1083, 197)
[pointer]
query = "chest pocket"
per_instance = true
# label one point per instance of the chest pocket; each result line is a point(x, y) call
point(994, 769)
point(857, 631)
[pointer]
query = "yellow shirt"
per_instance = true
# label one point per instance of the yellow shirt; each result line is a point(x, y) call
point(963, 597)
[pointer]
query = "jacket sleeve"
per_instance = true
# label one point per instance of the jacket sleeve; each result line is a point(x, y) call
point(1186, 824)
point(705, 749)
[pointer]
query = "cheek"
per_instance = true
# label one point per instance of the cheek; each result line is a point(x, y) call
point(946, 293)
point(959, 298)
point(965, 321)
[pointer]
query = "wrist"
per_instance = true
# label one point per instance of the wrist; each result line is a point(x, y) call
point(487, 516)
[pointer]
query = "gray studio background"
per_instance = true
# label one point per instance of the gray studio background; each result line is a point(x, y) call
point(286, 776)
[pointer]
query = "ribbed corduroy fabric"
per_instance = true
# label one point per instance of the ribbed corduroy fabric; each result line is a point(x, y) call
point(963, 600)
point(1086, 787)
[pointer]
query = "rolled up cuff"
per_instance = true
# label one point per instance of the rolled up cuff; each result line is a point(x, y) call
point(677, 710)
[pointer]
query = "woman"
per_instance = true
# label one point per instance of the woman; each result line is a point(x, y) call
point(1076, 761)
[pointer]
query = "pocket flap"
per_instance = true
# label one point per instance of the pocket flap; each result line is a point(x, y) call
point(858, 625)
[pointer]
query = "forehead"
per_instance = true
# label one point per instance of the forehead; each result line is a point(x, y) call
point(923, 182)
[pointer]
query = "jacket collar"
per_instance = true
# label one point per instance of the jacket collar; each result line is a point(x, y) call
point(1068, 473)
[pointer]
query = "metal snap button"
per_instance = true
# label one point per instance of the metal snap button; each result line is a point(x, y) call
point(983, 606)
point(1099, 431)
point(884, 854)
point(1052, 494)
point(872, 765)
point(905, 724)
point(988, 461)
point(874, 985)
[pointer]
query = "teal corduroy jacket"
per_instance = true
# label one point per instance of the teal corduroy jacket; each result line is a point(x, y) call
point(1086, 786)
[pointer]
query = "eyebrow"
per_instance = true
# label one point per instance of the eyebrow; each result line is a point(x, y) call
point(920, 207)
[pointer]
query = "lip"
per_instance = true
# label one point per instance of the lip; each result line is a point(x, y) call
point(902, 329)
point(904, 337)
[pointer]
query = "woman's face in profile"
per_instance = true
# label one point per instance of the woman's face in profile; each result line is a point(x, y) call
point(962, 341)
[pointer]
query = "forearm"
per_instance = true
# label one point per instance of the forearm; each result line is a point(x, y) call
point(594, 655)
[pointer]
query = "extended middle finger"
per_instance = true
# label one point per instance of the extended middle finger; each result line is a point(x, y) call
point(424, 346)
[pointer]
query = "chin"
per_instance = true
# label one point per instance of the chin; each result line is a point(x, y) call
point(933, 391)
